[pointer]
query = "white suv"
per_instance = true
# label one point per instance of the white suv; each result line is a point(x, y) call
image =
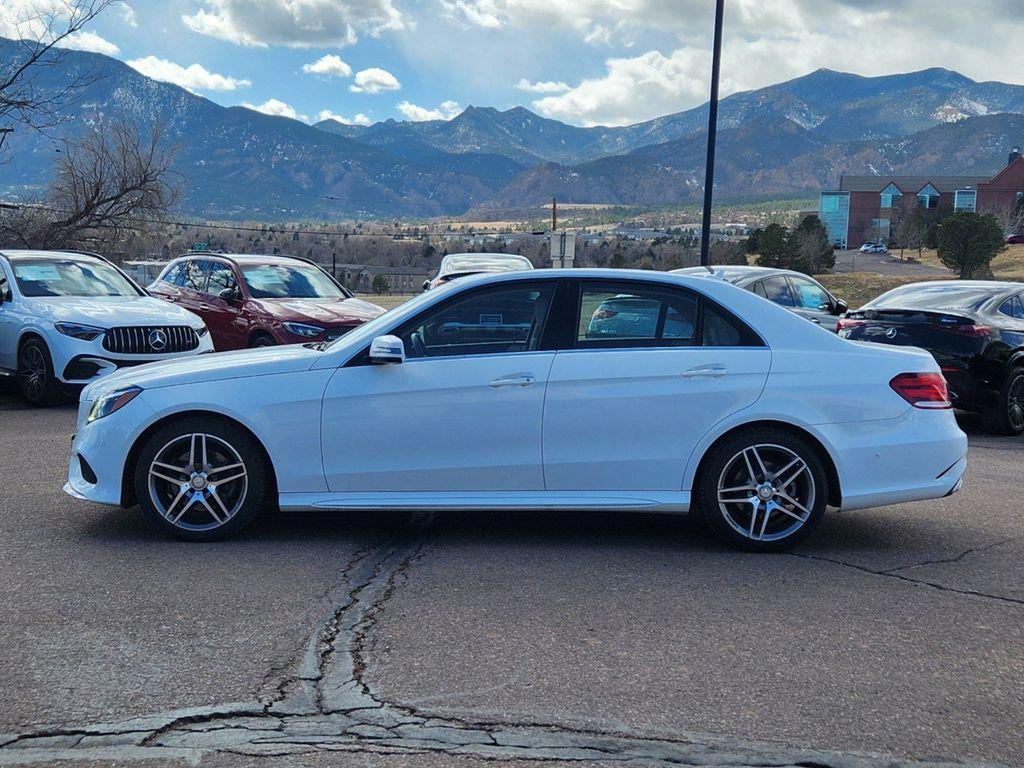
point(70, 318)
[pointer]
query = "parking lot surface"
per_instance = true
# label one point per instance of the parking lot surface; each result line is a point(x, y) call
point(457, 639)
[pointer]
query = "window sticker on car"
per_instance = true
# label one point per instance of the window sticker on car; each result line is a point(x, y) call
point(37, 272)
point(490, 319)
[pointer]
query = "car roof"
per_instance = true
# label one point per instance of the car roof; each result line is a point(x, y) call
point(945, 294)
point(17, 254)
point(737, 273)
point(481, 262)
point(246, 258)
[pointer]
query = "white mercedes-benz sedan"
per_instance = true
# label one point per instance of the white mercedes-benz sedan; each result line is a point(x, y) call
point(515, 391)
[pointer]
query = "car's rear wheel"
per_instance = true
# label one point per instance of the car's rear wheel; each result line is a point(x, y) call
point(763, 490)
point(1006, 416)
point(36, 380)
point(201, 479)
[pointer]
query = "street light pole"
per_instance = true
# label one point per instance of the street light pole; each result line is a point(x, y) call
point(709, 173)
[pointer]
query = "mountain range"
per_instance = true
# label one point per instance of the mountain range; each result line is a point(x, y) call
point(786, 140)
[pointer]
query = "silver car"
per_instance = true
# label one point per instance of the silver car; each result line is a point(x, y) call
point(793, 290)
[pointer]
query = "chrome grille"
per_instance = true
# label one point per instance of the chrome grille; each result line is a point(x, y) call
point(145, 340)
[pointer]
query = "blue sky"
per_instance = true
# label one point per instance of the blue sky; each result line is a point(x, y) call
point(587, 62)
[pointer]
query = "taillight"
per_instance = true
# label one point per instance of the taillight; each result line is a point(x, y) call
point(847, 322)
point(603, 314)
point(922, 390)
point(974, 331)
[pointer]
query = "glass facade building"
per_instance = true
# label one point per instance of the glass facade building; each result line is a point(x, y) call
point(834, 212)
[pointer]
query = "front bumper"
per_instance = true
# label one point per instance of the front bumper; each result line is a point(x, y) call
point(104, 444)
point(81, 362)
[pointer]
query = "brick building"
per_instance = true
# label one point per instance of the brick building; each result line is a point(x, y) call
point(864, 208)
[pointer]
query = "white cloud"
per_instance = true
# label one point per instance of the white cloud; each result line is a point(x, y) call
point(328, 65)
point(293, 23)
point(194, 77)
point(359, 119)
point(633, 89)
point(446, 111)
point(277, 108)
point(374, 80)
point(128, 16)
point(599, 35)
point(542, 86)
point(89, 41)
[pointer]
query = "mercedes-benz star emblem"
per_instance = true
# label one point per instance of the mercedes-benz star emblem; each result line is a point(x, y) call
point(890, 333)
point(157, 340)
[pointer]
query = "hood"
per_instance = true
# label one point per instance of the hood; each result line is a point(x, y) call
point(336, 311)
point(210, 367)
point(111, 311)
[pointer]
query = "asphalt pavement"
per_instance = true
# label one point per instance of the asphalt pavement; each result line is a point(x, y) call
point(883, 264)
point(893, 637)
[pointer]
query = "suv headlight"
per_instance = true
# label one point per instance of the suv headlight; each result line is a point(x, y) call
point(300, 329)
point(112, 401)
point(201, 331)
point(79, 331)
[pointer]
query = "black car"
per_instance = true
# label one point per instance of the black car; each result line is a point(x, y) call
point(974, 329)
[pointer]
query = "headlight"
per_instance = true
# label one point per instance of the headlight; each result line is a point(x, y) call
point(309, 331)
point(113, 401)
point(201, 331)
point(78, 331)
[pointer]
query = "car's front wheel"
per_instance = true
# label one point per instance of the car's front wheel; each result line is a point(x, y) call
point(201, 478)
point(763, 490)
point(36, 380)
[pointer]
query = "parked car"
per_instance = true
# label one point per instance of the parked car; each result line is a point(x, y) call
point(974, 329)
point(488, 394)
point(874, 248)
point(261, 301)
point(67, 319)
point(793, 290)
point(1014, 239)
point(463, 264)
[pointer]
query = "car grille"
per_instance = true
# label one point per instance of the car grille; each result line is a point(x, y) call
point(151, 340)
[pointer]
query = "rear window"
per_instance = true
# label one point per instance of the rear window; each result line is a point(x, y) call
point(932, 296)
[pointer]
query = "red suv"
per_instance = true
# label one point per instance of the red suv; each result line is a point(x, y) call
point(260, 301)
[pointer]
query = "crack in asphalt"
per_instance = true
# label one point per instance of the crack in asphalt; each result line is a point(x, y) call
point(894, 573)
point(327, 705)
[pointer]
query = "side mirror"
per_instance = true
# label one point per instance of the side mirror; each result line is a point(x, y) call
point(387, 349)
point(229, 294)
point(840, 308)
point(426, 285)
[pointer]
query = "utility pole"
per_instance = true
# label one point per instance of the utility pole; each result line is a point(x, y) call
point(554, 214)
point(709, 173)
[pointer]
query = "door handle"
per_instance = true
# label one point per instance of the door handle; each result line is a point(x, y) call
point(204, 307)
point(816, 320)
point(711, 371)
point(524, 380)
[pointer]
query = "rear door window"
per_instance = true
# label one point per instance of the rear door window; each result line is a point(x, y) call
point(635, 315)
point(776, 289)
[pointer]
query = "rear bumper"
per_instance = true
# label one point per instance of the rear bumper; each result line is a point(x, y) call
point(920, 455)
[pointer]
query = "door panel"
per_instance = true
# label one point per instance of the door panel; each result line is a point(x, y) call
point(448, 424)
point(813, 302)
point(10, 324)
point(627, 419)
point(224, 318)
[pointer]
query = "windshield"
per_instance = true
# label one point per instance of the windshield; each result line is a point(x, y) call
point(70, 277)
point(933, 296)
point(277, 281)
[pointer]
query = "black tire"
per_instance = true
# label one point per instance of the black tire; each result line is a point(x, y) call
point(726, 466)
point(1006, 415)
point(261, 340)
point(36, 380)
point(244, 499)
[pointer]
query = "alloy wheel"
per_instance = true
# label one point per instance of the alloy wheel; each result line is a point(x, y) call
point(198, 481)
point(766, 492)
point(1015, 404)
point(32, 372)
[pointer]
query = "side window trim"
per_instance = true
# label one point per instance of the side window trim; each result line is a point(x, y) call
point(701, 299)
point(363, 355)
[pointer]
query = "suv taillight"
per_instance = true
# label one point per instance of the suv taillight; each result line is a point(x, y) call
point(922, 390)
point(847, 322)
